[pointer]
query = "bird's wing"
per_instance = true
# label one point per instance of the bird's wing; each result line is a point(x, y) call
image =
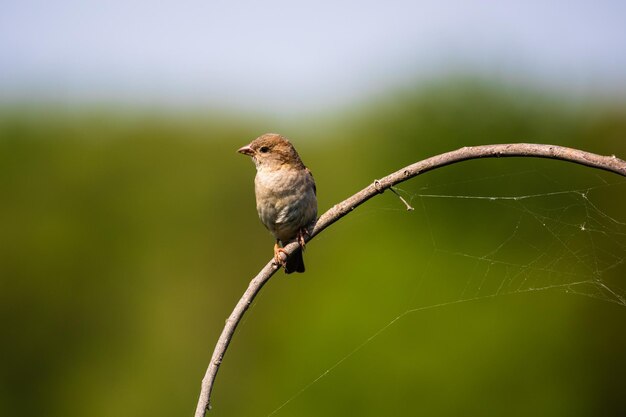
point(312, 180)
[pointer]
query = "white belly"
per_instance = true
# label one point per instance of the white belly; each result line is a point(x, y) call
point(285, 201)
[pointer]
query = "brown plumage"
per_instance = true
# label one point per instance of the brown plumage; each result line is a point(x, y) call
point(285, 194)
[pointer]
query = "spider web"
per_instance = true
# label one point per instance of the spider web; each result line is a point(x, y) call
point(576, 260)
point(567, 240)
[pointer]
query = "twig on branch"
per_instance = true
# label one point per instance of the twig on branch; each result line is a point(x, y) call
point(408, 206)
point(607, 163)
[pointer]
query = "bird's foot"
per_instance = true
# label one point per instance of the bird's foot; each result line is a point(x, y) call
point(280, 255)
point(301, 234)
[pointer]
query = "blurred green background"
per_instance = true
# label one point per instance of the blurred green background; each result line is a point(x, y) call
point(128, 228)
point(127, 236)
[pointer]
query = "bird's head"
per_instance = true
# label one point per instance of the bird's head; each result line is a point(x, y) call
point(272, 151)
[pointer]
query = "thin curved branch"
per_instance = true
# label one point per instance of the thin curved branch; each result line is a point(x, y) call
point(607, 163)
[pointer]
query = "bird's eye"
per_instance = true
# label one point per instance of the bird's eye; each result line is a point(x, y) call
point(264, 149)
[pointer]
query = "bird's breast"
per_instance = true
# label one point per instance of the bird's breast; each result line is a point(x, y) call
point(285, 200)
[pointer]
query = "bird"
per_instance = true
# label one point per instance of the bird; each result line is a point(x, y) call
point(286, 196)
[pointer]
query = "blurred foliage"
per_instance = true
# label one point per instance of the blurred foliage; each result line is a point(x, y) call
point(128, 236)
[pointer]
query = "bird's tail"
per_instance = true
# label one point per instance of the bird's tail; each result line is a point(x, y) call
point(295, 263)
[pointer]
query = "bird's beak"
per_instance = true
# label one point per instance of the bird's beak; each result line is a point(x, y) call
point(246, 150)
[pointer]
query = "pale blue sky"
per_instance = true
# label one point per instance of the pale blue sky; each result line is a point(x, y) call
point(281, 55)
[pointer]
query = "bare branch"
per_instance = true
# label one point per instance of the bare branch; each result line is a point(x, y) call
point(607, 163)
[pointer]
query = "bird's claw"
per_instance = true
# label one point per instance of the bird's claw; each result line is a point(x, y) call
point(278, 259)
point(301, 233)
point(280, 254)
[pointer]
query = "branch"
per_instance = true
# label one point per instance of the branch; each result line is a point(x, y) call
point(607, 163)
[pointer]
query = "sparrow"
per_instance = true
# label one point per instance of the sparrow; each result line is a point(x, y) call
point(285, 194)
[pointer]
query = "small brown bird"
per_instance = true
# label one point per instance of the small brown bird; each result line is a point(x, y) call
point(285, 194)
